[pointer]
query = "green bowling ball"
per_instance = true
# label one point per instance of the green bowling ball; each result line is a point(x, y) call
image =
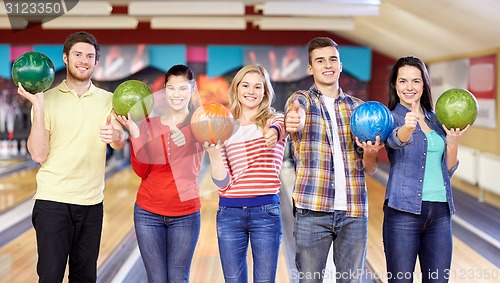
point(456, 108)
point(134, 97)
point(34, 70)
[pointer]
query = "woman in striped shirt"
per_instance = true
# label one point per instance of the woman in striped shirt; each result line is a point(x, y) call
point(246, 170)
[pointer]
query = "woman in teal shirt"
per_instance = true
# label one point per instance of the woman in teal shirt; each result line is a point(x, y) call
point(418, 201)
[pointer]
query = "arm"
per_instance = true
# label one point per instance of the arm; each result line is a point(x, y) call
point(220, 176)
point(453, 137)
point(141, 169)
point(38, 139)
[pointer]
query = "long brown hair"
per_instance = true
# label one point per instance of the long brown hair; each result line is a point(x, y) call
point(426, 98)
point(265, 110)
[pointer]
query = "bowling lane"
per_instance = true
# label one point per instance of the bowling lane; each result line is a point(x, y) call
point(18, 258)
point(7, 163)
point(467, 264)
point(16, 188)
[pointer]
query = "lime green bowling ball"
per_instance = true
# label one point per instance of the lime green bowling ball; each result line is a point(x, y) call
point(134, 97)
point(456, 108)
point(34, 70)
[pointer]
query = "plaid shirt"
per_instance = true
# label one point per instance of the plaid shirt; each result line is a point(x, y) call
point(313, 154)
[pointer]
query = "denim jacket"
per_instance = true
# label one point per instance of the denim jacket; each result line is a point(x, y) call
point(406, 175)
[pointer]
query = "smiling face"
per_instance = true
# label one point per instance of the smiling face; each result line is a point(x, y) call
point(325, 66)
point(178, 90)
point(80, 61)
point(409, 85)
point(251, 91)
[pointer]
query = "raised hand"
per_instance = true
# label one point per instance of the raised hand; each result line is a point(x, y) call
point(178, 137)
point(369, 147)
point(129, 124)
point(453, 136)
point(36, 99)
point(292, 118)
point(214, 151)
point(411, 118)
point(270, 135)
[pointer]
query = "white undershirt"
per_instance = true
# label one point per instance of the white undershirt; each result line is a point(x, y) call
point(338, 163)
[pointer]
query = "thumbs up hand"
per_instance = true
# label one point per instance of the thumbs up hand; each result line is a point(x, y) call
point(411, 118)
point(107, 132)
point(178, 137)
point(270, 134)
point(293, 118)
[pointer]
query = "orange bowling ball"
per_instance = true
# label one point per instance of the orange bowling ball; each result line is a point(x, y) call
point(212, 123)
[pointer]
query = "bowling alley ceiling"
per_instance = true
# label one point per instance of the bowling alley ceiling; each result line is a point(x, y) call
point(430, 29)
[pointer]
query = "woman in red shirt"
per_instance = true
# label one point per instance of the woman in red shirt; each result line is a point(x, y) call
point(167, 157)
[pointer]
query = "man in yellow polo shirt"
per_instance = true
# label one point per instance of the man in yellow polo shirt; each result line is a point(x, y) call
point(71, 125)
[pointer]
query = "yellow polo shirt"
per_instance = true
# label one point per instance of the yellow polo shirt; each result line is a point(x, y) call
point(74, 169)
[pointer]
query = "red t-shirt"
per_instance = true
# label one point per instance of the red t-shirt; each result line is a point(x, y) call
point(169, 173)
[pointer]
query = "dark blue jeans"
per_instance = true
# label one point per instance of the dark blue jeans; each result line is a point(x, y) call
point(235, 227)
point(166, 244)
point(427, 235)
point(67, 230)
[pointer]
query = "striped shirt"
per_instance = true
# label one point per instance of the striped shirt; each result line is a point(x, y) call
point(314, 187)
point(252, 166)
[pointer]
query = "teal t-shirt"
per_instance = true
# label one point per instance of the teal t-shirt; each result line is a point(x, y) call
point(434, 189)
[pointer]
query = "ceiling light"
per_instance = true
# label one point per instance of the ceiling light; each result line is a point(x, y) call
point(318, 9)
point(110, 22)
point(91, 8)
point(220, 23)
point(156, 8)
point(304, 23)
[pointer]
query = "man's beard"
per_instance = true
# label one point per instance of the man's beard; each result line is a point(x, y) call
point(79, 76)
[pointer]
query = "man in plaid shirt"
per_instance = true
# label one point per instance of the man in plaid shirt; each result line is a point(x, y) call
point(330, 196)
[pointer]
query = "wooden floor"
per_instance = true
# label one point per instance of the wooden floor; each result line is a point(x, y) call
point(16, 188)
point(18, 258)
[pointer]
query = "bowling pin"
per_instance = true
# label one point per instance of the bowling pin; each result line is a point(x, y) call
point(4, 148)
point(14, 149)
point(23, 150)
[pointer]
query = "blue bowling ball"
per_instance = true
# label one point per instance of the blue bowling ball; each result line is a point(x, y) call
point(371, 119)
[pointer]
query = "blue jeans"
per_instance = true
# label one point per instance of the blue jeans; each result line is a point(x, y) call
point(427, 235)
point(167, 244)
point(235, 227)
point(67, 231)
point(315, 232)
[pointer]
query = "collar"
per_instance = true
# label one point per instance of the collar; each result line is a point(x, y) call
point(63, 87)
point(318, 93)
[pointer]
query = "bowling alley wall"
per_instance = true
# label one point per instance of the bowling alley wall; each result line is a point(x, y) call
point(213, 64)
point(215, 56)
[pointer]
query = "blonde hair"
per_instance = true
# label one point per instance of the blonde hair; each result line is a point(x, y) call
point(265, 110)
